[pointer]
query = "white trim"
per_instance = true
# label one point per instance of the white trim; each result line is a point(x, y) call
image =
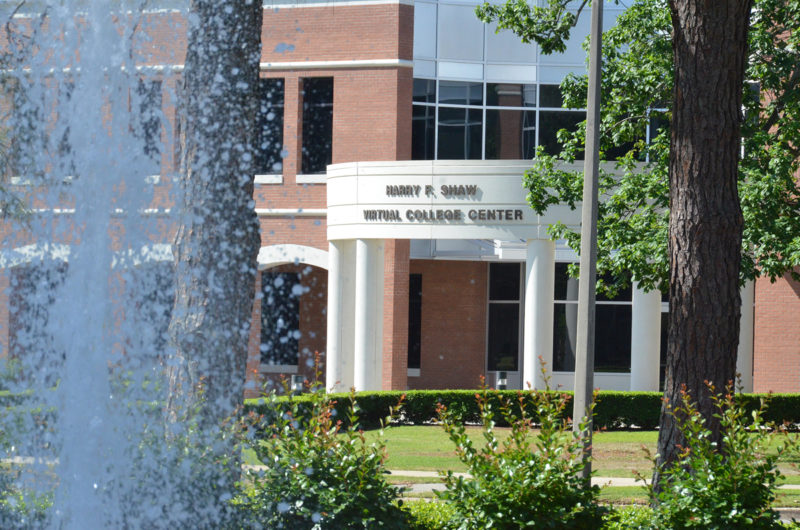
point(278, 368)
point(340, 4)
point(413, 372)
point(291, 212)
point(314, 178)
point(332, 65)
point(275, 255)
point(269, 179)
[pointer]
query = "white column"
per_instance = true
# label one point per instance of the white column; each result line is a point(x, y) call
point(744, 355)
point(333, 349)
point(538, 323)
point(645, 339)
point(339, 348)
point(365, 313)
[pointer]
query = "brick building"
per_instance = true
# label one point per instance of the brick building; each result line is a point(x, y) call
point(396, 241)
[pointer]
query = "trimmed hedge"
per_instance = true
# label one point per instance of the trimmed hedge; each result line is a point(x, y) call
point(613, 410)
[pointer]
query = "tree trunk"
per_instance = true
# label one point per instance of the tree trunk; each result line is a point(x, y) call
point(217, 242)
point(705, 225)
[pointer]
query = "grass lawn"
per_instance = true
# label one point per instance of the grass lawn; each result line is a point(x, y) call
point(427, 448)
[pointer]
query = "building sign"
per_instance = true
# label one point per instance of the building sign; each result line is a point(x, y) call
point(440, 199)
point(447, 215)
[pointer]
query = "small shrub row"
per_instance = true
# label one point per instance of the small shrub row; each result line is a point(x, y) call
point(614, 410)
point(321, 474)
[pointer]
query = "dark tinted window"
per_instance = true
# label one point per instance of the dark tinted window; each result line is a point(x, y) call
point(280, 317)
point(510, 134)
point(503, 337)
point(504, 281)
point(414, 320)
point(317, 124)
point(270, 133)
point(460, 93)
point(422, 132)
point(460, 131)
point(424, 91)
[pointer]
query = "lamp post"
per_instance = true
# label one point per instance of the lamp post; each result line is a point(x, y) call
point(584, 355)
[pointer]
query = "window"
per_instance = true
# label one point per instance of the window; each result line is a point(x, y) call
point(414, 320)
point(317, 124)
point(612, 327)
point(280, 317)
point(149, 97)
point(269, 159)
point(504, 317)
point(460, 120)
point(32, 292)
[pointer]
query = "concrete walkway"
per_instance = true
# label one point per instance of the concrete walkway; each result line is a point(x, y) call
point(787, 514)
point(436, 484)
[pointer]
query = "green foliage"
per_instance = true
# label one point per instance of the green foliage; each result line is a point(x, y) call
point(20, 509)
point(425, 515)
point(628, 518)
point(724, 487)
point(548, 26)
point(637, 95)
point(320, 471)
point(613, 409)
point(531, 479)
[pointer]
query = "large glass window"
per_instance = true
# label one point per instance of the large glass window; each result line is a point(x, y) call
point(317, 147)
point(462, 120)
point(270, 120)
point(504, 317)
point(414, 320)
point(280, 317)
point(612, 327)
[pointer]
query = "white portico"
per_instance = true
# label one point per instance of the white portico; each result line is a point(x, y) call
point(369, 202)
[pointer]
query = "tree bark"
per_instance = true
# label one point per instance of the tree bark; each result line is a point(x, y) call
point(705, 225)
point(217, 241)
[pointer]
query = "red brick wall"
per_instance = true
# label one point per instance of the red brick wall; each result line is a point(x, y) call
point(776, 341)
point(453, 323)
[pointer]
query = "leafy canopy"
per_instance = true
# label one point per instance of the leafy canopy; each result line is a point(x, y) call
point(637, 89)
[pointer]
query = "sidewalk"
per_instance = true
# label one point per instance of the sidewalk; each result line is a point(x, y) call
point(436, 484)
point(787, 514)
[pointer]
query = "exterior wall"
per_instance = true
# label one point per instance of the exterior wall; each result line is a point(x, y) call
point(453, 323)
point(776, 349)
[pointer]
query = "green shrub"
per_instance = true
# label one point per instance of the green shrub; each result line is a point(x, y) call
point(531, 479)
point(614, 410)
point(429, 515)
point(628, 518)
point(724, 487)
point(320, 471)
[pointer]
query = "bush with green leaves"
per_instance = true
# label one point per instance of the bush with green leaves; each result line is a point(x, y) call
point(320, 472)
point(530, 480)
point(727, 487)
point(428, 515)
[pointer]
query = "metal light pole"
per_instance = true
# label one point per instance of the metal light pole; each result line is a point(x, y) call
point(584, 355)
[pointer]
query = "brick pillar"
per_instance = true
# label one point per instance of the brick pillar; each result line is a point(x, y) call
point(252, 385)
point(395, 314)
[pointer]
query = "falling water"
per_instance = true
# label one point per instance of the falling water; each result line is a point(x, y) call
point(83, 265)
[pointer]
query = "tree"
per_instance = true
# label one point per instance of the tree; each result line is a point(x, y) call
point(638, 118)
point(218, 238)
point(705, 224)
